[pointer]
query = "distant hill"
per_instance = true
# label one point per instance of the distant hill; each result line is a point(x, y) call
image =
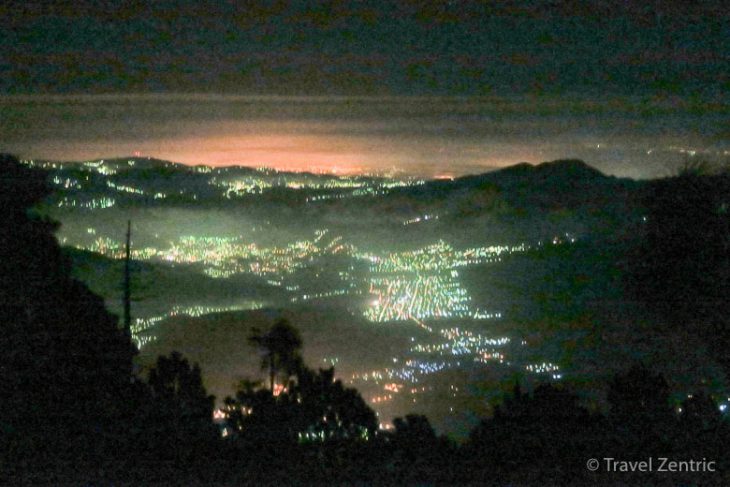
point(158, 286)
point(552, 179)
point(516, 203)
point(150, 183)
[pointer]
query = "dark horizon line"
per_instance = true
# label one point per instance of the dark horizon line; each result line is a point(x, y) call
point(375, 173)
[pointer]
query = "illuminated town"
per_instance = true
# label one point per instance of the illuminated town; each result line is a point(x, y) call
point(425, 291)
point(421, 287)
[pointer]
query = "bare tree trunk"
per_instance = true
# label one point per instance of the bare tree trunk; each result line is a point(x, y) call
point(272, 371)
point(127, 297)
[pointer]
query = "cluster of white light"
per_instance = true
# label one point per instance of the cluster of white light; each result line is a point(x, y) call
point(66, 183)
point(322, 295)
point(124, 189)
point(438, 257)
point(241, 186)
point(100, 167)
point(461, 342)
point(92, 204)
point(542, 368)
point(417, 296)
point(374, 188)
point(420, 219)
point(40, 164)
point(224, 257)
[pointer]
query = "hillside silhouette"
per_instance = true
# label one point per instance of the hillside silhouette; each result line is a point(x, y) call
point(67, 367)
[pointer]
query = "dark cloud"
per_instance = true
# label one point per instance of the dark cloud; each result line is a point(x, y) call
point(365, 47)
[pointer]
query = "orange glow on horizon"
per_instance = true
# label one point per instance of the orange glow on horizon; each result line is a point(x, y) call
point(286, 152)
point(316, 147)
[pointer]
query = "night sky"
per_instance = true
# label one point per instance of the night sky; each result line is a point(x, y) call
point(403, 47)
point(662, 65)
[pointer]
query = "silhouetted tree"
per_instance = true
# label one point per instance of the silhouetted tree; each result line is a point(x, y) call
point(254, 413)
point(280, 347)
point(417, 454)
point(178, 389)
point(316, 407)
point(330, 409)
point(316, 420)
point(641, 416)
point(543, 438)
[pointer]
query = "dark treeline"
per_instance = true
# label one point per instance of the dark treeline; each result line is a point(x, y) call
point(73, 409)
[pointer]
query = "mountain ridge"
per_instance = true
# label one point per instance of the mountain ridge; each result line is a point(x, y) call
point(572, 166)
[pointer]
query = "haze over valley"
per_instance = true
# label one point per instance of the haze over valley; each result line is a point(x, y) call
point(426, 295)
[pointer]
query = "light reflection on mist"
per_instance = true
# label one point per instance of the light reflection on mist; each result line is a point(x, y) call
point(422, 136)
